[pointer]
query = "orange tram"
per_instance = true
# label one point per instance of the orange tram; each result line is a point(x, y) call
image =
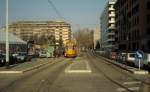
point(70, 50)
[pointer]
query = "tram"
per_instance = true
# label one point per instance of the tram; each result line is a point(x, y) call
point(71, 49)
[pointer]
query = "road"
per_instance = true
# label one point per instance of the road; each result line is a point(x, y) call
point(86, 73)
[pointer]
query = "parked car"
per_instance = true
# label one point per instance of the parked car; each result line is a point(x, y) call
point(113, 55)
point(43, 54)
point(21, 57)
point(121, 57)
point(147, 61)
point(2, 60)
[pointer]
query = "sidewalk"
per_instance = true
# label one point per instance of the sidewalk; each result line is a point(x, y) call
point(125, 67)
point(26, 66)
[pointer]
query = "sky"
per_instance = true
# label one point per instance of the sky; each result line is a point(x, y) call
point(79, 13)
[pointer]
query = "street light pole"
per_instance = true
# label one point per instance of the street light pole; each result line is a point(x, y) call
point(7, 39)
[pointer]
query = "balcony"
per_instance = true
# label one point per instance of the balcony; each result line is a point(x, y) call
point(110, 39)
point(111, 9)
point(111, 21)
point(110, 33)
point(112, 15)
point(111, 27)
point(110, 46)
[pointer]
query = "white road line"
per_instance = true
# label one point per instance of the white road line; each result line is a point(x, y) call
point(131, 83)
point(88, 66)
point(131, 88)
point(79, 71)
point(10, 72)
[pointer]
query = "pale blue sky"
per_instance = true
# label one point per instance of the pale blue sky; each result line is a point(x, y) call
point(79, 13)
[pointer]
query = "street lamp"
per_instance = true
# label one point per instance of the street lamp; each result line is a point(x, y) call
point(7, 39)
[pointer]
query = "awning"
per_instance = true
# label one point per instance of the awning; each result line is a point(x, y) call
point(12, 38)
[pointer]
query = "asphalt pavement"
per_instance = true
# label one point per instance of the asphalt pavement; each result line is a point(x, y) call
point(82, 74)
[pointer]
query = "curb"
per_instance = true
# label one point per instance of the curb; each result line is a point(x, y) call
point(125, 67)
point(23, 71)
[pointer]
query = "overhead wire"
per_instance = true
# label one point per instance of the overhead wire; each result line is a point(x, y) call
point(56, 10)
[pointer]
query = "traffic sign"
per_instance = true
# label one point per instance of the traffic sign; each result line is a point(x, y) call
point(139, 54)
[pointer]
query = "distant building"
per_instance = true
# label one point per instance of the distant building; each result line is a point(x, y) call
point(41, 31)
point(97, 36)
point(133, 25)
point(108, 26)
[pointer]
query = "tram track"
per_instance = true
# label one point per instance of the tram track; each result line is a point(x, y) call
point(125, 73)
point(117, 70)
point(26, 77)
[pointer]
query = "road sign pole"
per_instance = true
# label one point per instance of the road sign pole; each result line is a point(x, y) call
point(139, 56)
point(139, 64)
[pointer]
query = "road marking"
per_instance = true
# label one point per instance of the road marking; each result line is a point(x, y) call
point(42, 80)
point(132, 83)
point(131, 88)
point(78, 71)
point(87, 70)
point(10, 72)
point(88, 66)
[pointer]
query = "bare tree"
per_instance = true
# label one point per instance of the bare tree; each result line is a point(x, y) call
point(84, 38)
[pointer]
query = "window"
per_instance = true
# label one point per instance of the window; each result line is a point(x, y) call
point(148, 5)
point(148, 45)
point(148, 19)
point(148, 31)
point(132, 55)
point(135, 9)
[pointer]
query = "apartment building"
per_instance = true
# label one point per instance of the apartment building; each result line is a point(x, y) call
point(108, 26)
point(41, 31)
point(133, 25)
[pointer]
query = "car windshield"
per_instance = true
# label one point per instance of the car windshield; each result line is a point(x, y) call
point(1, 56)
point(22, 54)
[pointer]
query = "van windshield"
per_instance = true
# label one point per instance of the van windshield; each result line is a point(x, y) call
point(132, 55)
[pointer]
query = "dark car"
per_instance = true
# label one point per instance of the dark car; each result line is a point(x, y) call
point(21, 57)
point(2, 60)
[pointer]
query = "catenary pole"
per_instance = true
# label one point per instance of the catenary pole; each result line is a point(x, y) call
point(7, 39)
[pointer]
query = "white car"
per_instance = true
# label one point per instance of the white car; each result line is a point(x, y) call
point(43, 54)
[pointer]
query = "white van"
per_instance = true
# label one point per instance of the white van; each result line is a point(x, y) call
point(146, 61)
point(130, 58)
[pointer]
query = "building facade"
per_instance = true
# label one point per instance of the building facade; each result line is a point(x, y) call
point(42, 31)
point(108, 26)
point(133, 25)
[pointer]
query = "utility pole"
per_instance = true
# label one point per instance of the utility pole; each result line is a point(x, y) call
point(7, 39)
